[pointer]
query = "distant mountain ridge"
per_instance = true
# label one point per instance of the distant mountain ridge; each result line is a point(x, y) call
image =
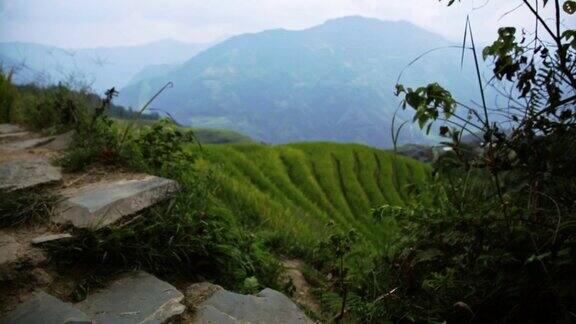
point(101, 67)
point(331, 82)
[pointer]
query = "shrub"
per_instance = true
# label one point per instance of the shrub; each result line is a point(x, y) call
point(494, 240)
point(8, 97)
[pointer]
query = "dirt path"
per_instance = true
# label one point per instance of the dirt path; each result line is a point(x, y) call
point(302, 289)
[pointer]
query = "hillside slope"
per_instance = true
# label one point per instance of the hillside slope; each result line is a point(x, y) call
point(295, 190)
point(331, 82)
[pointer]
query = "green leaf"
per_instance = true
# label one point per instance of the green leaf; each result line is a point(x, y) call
point(569, 7)
point(426, 256)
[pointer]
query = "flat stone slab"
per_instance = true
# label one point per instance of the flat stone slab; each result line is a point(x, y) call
point(10, 128)
point(99, 205)
point(135, 298)
point(210, 315)
point(268, 306)
point(43, 308)
point(50, 238)
point(26, 144)
point(25, 174)
point(61, 141)
point(11, 136)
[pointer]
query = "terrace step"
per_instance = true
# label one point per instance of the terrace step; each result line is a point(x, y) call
point(15, 175)
point(61, 141)
point(134, 298)
point(43, 308)
point(215, 305)
point(10, 128)
point(13, 136)
point(26, 144)
point(50, 238)
point(99, 205)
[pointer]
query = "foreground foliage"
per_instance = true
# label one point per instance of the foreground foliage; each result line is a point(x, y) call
point(494, 238)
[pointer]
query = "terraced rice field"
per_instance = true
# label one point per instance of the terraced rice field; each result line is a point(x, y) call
point(297, 189)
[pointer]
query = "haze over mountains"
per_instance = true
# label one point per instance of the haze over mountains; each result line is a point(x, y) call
point(332, 82)
point(101, 68)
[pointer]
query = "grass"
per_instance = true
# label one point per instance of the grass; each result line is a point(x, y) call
point(184, 236)
point(294, 190)
point(25, 206)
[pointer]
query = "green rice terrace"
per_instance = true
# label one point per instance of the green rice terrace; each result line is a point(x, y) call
point(297, 189)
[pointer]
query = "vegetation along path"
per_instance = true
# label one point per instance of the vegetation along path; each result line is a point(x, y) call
point(92, 199)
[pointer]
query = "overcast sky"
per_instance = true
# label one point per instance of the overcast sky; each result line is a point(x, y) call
point(92, 23)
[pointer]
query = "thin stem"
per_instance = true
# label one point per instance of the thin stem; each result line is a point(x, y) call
point(477, 65)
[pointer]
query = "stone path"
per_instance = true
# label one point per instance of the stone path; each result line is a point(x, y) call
point(96, 200)
point(134, 298)
point(43, 308)
point(10, 129)
point(215, 305)
point(88, 199)
point(15, 175)
point(101, 204)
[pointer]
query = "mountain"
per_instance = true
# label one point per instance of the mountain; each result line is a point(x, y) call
point(330, 82)
point(102, 67)
point(152, 71)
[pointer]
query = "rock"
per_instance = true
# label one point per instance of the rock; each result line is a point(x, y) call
point(135, 298)
point(199, 292)
point(61, 142)
point(99, 205)
point(49, 238)
point(12, 136)
point(44, 308)
point(210, 315)
point(268, 306)
point(10, 128)
point(27, 144)
point(16, 175)
point(41, 277)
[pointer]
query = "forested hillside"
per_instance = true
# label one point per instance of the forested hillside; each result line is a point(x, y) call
point(331, 82)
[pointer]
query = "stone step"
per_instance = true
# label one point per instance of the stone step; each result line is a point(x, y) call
point(43, 309)
point(16, 175)
point(99, 205)
point(222, 306)
point(26, 144)
point(10, 128)
point(50, 238)
point(13, 136)
point(134, 298)
point(61, 141)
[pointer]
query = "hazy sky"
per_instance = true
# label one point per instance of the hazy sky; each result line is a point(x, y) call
point(91, 23)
